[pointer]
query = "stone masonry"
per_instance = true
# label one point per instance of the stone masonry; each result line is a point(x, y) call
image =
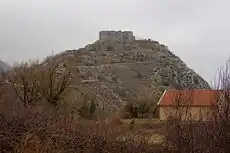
point(116, 35)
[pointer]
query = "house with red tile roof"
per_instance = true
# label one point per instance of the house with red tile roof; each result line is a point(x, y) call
point(193, 104)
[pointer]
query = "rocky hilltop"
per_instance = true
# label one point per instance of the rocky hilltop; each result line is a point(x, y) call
point(114, 72)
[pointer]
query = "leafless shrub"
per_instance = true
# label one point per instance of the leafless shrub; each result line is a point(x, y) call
point(211, 132)
point(23, 78)
point(33, 82)
point(219, 126)
point(180, 126)
point(55, 81)
point(45, 133)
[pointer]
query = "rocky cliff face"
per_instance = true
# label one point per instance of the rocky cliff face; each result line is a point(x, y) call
point(3, 67)
point(116, 72)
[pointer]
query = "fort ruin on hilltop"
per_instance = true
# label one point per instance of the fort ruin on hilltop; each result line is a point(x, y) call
point(116, 35)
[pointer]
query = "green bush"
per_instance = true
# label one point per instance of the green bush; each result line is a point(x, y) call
point(109, 48)
point(137, 110)
point(87, 110)
point(142, 106)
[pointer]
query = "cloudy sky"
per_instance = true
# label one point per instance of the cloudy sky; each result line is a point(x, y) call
point(196, 30)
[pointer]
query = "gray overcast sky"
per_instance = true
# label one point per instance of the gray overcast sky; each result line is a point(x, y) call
point(195, 30)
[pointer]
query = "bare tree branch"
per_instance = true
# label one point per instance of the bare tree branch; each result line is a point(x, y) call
point(55, 81)
point(24, 82)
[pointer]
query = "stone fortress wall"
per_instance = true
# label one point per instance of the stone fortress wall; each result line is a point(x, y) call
point(116, 35)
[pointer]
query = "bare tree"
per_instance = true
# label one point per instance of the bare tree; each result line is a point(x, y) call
point(23, 78)
point(211, 134)
point(182, 125)
point(55, 81)
point(220, 125)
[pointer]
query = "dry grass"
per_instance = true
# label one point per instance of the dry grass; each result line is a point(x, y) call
point(143, 121)
point(46, 134)
point(152, 130)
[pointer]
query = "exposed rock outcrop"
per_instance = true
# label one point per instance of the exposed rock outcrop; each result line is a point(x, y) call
point(123, 71)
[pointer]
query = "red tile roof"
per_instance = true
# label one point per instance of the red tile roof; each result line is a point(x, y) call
point(194, 97)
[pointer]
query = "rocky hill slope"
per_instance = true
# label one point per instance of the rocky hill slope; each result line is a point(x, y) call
point(3, 67)
point(113, 73)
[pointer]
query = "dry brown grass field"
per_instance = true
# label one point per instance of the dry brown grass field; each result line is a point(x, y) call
point(151, 130)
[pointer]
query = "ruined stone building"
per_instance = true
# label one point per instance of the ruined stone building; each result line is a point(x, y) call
point(116, 35)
